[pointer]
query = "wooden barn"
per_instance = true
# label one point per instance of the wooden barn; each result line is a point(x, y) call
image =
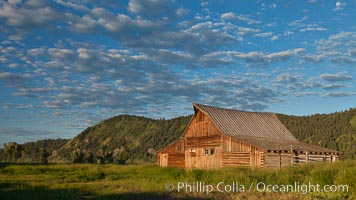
point(217, 137)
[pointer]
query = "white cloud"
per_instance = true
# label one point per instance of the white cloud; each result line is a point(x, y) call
point(302, 94)
point(339, 94)
point(85, 54)
point(339, 6)
point(66, 54)
point(28, 18)
point(335, 77)
point(38, 3)
point(288, 33)
point(35, 92)
point(134, 6)
point(246, 30)
point(7, 76)
point(182, 12)
point(320, 57)
point(274, 38)
point(14, 79)
point(14, 1)
point(287, 78)
point(228, 15)
point(14, 65)
point(298, 23)
point(71, 5)
point(313, 29)
point(83, 24)
point(152, 9)
point(204, 4)
point(334, 86)
point(255, 58)
point(265, 34)
point(313, 1)
point(273, 6)
point(244, 18)
point(343, 59)
point(36, 52)
point(352, 52)
point(280, 56)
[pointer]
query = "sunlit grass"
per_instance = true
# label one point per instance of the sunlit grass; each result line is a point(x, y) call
point(147, 181)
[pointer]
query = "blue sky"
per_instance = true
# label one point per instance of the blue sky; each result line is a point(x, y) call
point(66, 65)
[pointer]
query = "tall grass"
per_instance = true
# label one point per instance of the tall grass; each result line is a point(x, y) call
point(147, 181)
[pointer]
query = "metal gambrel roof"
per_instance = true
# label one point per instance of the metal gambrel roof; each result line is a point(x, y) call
point(247, 124)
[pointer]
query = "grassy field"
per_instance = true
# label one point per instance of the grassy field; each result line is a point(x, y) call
point(85, 181)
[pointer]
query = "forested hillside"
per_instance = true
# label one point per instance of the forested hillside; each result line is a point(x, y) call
point(136, 139)
point(335, 131)
point(37, 151)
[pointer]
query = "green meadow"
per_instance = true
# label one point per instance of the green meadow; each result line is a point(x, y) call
point(148, 181)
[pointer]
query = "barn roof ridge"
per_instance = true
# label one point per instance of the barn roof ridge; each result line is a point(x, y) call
point(231, 109)
point(238, 124)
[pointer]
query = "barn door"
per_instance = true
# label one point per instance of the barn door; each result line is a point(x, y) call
point(164, 160)
point(191, 159)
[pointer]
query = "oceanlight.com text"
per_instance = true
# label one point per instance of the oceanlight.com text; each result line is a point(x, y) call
point(236, 187)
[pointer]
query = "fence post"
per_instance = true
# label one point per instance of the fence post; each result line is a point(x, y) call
point(291, 155)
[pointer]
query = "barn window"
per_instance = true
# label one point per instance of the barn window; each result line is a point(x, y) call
point(212, 151)
point(206, 151)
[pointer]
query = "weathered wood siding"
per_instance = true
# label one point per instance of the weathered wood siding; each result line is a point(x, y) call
point(162, 159)
point(197, 159)
point(207, 141)
point(241, 159)
point(202, 136)
point(276, 159)
point(172, 155)
point(238, 153)
point(201, 126)
point(176, 159)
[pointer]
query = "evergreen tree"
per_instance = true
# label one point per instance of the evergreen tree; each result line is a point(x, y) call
point(44, 155)
point(76, 156)
point(89, 157)
point(13, 151)
point(120, 155)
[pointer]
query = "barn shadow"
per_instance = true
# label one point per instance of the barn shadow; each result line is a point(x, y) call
point(39, 193)
point(43, 193)
point(147, 196)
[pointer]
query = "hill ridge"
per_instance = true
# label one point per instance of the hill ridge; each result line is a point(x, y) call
point(141, 136)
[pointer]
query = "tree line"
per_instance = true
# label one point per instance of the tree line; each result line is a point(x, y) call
point(334, 131)
point(16, 153)
point(128, 138)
